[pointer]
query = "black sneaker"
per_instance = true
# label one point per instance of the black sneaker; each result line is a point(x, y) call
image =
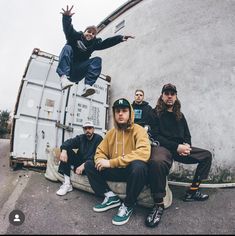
point(195, 196)
point(154, 216)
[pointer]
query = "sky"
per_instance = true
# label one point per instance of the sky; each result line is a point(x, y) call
point(29, 24)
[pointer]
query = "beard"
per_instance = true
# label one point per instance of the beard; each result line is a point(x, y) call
point(89, 135)
point(123, 126)
point(169, 106)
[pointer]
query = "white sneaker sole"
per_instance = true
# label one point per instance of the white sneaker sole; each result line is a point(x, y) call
point(107, 208)
point(70, 190)
point(123, 222)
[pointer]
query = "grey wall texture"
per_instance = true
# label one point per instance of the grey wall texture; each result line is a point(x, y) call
point(190, 43)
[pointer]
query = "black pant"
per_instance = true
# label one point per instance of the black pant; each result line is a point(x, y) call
point(135, 175)
point(73, 160)
point(161, 161)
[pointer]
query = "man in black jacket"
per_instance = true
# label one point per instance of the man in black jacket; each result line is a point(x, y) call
point(86, 144)
point(171, 130)
point(142, 109)
point(144, 115)
point(74, 60)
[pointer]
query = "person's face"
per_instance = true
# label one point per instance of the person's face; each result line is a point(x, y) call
point(169, 98)
point(88, 131)
point(89, 34)
point(139, 97)
point(122, 115)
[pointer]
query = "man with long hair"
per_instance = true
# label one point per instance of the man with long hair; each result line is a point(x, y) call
point(172, 132)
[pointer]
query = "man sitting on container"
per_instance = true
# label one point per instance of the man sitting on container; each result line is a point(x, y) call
point(121, 156)
point(74, 63)
point(171, 130)
point(86, 144)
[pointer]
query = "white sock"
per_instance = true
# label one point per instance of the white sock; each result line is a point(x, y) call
point(110, 194)
point(66, 179)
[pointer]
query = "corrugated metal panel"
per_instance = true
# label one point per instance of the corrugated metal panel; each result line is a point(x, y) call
point(45, 116)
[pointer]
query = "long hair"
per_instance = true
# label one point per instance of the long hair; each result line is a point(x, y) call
point(161, 107)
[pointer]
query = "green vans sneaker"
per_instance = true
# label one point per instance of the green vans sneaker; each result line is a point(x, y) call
point(123, 215)
point(108, 203)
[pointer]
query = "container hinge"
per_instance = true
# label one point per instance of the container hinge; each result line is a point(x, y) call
point(65, 127)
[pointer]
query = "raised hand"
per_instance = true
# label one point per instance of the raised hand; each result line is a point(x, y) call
point(67, 12)
point(126, 37)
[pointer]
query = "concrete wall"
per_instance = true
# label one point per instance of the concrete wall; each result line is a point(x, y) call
point(190, 43)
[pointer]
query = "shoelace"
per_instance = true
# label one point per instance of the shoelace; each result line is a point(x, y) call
point(156, 212)
point(105, 200)
point(122, 210)
point(199, 194)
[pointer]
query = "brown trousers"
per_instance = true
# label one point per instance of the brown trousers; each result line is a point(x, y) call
point(161, 160)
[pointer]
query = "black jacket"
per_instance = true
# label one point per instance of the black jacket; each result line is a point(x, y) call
point(74, 37)
point(143, 113)
point(170, 132)
point(86, 148)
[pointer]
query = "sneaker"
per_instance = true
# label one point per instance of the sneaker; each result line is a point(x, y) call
point(64, 82)
point(88, 90)
point(154, 216)
point(64, 188)
point(123, 215)
point(108, 203)
point(195, 196)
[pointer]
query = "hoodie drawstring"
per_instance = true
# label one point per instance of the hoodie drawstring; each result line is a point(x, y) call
point(123, 143)
point(116, 141)
point(123, 153)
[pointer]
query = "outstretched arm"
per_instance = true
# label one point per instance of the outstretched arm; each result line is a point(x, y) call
point(67, 12)
point(68, 29)
point(112, 41)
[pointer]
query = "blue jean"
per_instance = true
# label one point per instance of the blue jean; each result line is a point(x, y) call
point(76, 71)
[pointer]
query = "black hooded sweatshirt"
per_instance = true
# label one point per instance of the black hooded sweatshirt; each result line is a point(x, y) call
point(76, 38)
point(86, 148)
point(143, 113)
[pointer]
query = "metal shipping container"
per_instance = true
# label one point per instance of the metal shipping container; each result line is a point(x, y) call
point(45, 116)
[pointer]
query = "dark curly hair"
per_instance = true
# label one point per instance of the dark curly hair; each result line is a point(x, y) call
point(161, 107)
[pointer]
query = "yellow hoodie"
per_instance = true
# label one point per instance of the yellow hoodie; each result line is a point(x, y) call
point(124, 146)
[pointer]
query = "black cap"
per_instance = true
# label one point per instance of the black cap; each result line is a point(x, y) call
point(169, 87)
point(121, 102)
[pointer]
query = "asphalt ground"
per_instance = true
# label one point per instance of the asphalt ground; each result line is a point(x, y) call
point(46, 213)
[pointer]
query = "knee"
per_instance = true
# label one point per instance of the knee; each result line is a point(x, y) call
point(67, 49)
point(158, 165)
point(97, 60)
point(89, 165)
point(139, 168)
point(209, 156)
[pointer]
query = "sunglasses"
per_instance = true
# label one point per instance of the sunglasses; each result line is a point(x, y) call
point(167, 93)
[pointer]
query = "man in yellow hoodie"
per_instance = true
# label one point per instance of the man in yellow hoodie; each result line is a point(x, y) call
point(121, 156)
